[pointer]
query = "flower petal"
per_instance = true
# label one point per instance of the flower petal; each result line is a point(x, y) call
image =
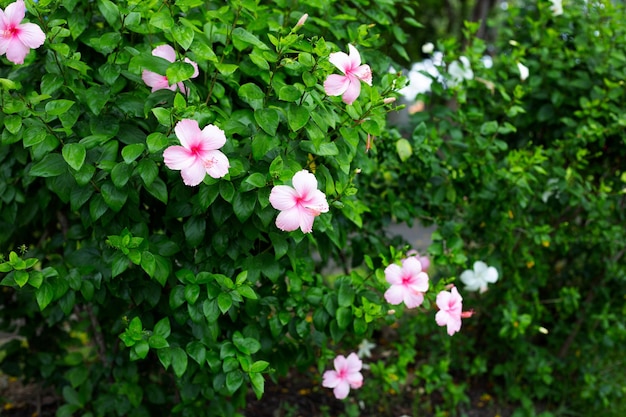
point(316, 203)
point(352, 92)
point(156, 81)
point(188, 133)
point(411, 266)
point(219, 164)
point(283, 197)
point(355, 57)
point(194, 174)
point(16, 51)
point(363, 73)
point(353, 363)
point(213, 137)
point(393, 274)
point(336, 85)
point(342, 390)
point(330, 379)
point(442, 317)
point(195, 67)
point(341, 60)
point(491, 275)
point(472, 283)
point(395, 294)
point(15, 12)
point(177, 157)
point(304, 183)
point(413, 299)
point(306, 221)
point(454, 325)
point(31, 35)
point(288, 220)
point(420, 282)
point(165, 52)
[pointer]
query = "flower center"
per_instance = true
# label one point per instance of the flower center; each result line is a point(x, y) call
point(10, 32)
point(209, 163)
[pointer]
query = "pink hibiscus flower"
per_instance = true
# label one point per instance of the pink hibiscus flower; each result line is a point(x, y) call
point(345, 376)
point(300, 204)
point(17, 38)
point(408, 283)
point(423, 259)
point(198, 154)
point(160, 82)
point(348, 85)
point(451, 310)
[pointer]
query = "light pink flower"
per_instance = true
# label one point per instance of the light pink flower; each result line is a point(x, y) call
point(160, 82)
point(423, 259)
point(345, 376)
point(17, 38)
point(408, 283)
point(348, 85)
point(302, 20)
point(300, 204)
point(451, 310)
point(198, 154)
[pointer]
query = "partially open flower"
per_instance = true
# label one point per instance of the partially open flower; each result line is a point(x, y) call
point(160, 82)
point(348, 86)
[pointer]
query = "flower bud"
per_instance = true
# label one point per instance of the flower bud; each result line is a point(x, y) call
point(301, 20)
point(428, 48)
point(389, 100)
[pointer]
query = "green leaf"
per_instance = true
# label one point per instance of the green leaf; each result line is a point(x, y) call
point(141, 348)
point(179, 361)
point(324, 149)
point(404, 149)
point(20, 277)
point(263, 143)
point(162, 20)
point(256, 179)
point(157, 342)
point(183, 35)
point(44, 295)
point(51, 165)
point(195, 229)
point(158, 189)
point(77, 375)
point(197, 351)
point(259, 366)
point(346, 295)
point(57, 107)
point(157, 141)
point(114, 198)
point(297, 116)
point(132, 152)
point(148, 263)
point(246, 345)
point(252, 94)
point(224, 301)
point(489, 128)
point(162, 328)
point(247, 291)
point(179, 71)
point(110, 12)
point(242, 39)
point(192, 292)
point(258, 384)
point(234, 379)
point(268, 120)
point(243, 205)
point(120, 174)
point(13, 123)
point(344, 317)
point(33, 135)
point(289, 93)
point(74, 154)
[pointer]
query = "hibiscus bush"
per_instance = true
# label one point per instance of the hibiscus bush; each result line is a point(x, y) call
point(519, 157)
point(175, 178)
